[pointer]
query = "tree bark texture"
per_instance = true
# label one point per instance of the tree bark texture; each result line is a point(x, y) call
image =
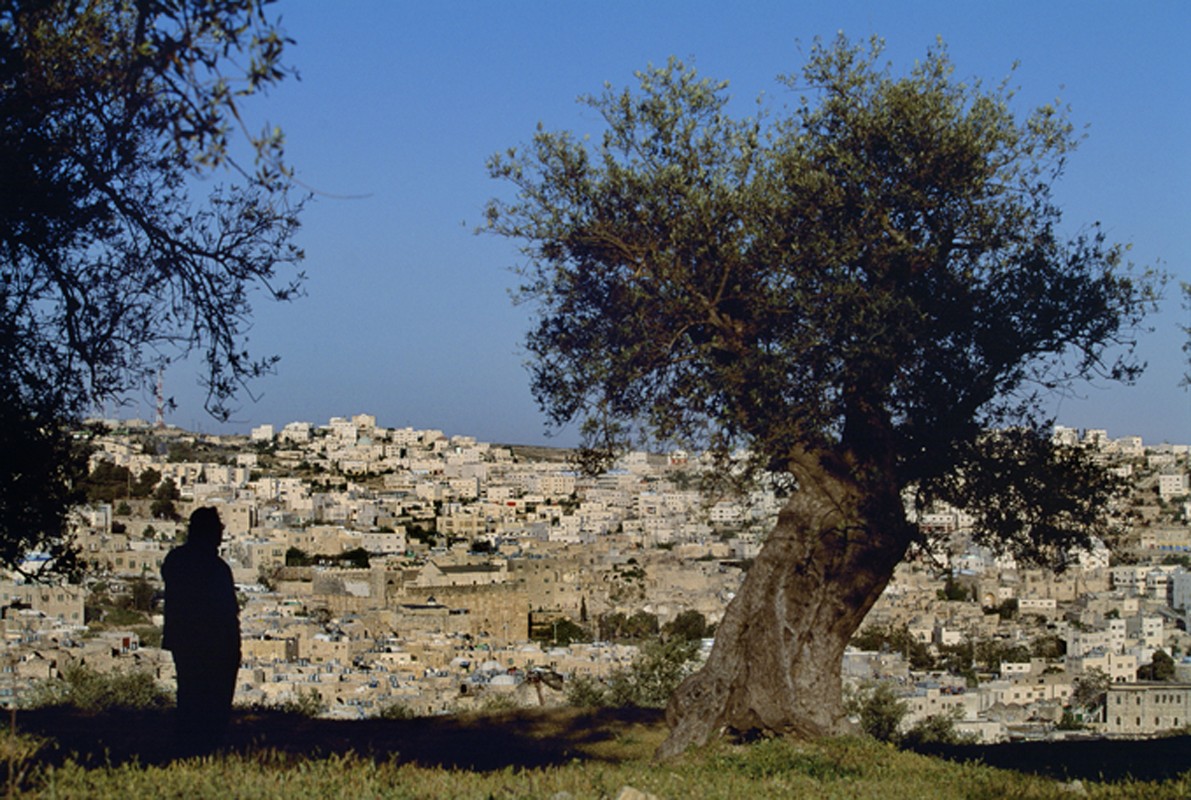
point(775, 665)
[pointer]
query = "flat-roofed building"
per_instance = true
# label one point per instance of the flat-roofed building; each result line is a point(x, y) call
point(1142, 709)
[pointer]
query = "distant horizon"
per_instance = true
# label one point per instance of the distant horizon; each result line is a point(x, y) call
point(151, 424)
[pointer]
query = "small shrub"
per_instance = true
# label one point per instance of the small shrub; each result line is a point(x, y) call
point(654, 675)
point(307, 703)
point(150, 635)
point(773, 757)
point(562, 633)
point(116, 617)
point(493, 703)
point(936, 729)
point(19, 757)
point(396, 710)
point(647, 683)
point(1070, 721)
point(82, 687)
point(690, 625)
point(879, 709)
point(583, 691)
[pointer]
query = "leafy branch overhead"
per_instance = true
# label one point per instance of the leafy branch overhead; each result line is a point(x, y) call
point(111, 116)
point(140, 220)
point(880, 273)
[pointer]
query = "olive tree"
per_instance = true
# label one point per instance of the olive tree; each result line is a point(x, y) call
point(866, 293)
point(138, 218)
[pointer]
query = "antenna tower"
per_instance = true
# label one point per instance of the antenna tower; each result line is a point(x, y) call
point(160, 421)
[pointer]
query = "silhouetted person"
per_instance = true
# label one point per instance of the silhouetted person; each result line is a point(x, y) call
point(202, 629)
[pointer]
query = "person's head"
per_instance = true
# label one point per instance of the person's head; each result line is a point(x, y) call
point(205, 527)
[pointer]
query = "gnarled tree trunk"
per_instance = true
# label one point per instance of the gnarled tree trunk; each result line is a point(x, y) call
point(775, 666)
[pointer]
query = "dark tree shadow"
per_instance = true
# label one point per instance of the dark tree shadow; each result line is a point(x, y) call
point(1085, 759)
point(526, 738)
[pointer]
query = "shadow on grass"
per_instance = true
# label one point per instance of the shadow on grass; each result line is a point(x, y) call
point(1088, 759)
point(526, 738)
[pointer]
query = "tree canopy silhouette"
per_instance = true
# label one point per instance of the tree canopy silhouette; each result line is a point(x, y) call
point(867, 293)
point(131, 231)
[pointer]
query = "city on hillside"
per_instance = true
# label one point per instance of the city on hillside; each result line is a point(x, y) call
point(383, 569)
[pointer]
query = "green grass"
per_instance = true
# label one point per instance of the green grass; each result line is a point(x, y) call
point(525, 754)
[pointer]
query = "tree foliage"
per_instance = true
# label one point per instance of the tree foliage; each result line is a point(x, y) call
point(563, 632)
point(1090, 689)
point(878, 279)
point(656, 671)
point(36, 497)
point(879, 710)
point(142, 595)
point(1185, 286)
point(1160, 668)
point(640, 625)
point(991, 653)
point(146, 482)
point(937, 729)
point(654, 674)
point(689, 625)
point(132, 230)
point(164, 496)
point(107, 482)
point(85, 688)
point(888, 639)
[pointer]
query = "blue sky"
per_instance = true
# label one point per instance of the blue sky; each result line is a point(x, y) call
point(407, 314)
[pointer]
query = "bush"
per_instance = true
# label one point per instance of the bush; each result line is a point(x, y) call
point(586, 692)
point(142, 595)
point(690, 625)
point(1090, 689)
point(936, 729)
point(879, 709)
point(307, 703)
point(1070, 721)
point(561, 632)
point(116, 617)
point(779, 759)
point(642, 625)
point(395, 710)
point(881, 713)
point(21, 757)
point(87, 689)
point(647, 683)
point(1160, 668)
point(654, 675)
point(150, 635)
point(895, 640)
point(493, 703)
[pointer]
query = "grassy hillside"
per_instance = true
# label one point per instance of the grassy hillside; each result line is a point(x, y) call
point(564, 754)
